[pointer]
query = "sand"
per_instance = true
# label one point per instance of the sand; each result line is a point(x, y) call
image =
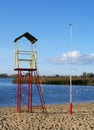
point(56, 118)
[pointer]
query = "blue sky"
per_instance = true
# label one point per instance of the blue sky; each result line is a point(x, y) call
point(48, 20)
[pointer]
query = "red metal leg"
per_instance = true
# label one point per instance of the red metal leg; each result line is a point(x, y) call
point(19, 92)
point(29, 91)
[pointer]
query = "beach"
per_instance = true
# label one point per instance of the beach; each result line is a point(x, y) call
point(56, 118)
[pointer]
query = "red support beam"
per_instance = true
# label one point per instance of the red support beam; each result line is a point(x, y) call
point(19, 92)
point(29, 91)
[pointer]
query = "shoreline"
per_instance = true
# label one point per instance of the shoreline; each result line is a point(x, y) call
point(56, 118)
point(47, 105)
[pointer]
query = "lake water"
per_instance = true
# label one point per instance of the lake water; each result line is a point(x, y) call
point(53, 94)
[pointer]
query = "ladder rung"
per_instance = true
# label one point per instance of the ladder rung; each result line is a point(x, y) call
point(24, 60)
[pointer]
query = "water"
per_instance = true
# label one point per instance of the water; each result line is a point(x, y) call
point(53, 94)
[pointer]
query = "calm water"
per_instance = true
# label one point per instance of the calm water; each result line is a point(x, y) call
point(53, 94)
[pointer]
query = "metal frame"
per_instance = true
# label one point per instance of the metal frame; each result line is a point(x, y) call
point(32, 61)
point(31, 70)
point(31, 73)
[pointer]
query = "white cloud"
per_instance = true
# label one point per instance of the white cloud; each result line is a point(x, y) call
point(77, 58)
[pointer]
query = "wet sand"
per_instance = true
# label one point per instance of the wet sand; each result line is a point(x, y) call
point(56, 118)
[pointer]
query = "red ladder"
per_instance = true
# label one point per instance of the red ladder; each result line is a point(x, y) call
point(40, 91)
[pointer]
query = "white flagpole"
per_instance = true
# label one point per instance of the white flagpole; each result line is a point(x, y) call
point(70, 69)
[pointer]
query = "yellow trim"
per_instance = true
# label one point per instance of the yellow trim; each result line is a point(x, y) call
point(18, 60)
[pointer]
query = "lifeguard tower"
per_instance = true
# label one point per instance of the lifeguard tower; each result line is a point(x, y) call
point(26, 61)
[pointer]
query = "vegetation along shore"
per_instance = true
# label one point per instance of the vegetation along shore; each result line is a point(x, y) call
point(84, 79)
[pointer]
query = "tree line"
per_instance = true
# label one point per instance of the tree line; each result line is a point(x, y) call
point(84, 79)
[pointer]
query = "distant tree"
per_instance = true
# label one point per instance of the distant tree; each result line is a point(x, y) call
point(4, 75)
point(57, 75)
point(84, 75)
